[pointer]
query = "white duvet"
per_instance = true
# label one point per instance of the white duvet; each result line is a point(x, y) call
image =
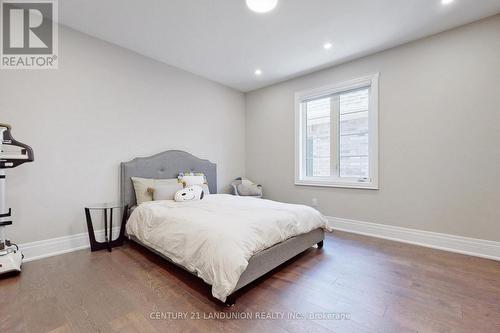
point(215, 237)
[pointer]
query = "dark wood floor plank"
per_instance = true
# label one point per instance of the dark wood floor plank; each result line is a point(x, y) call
point(383, 286)
point(11, 312)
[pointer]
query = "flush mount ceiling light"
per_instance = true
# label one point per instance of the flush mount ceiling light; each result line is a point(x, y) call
point(258, 72)
point(261, 6)
point(446, 2)
point(327, 46)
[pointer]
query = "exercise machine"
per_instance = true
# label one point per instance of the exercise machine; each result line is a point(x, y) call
point(12, 155)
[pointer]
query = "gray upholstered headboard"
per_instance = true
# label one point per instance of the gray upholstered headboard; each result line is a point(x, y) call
point(164, 166)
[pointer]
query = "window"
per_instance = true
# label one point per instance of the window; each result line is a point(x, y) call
point(337, 135)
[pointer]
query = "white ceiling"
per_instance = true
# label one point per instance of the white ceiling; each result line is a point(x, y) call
point(224, 41)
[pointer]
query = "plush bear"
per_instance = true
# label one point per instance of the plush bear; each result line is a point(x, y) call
point(190, 193)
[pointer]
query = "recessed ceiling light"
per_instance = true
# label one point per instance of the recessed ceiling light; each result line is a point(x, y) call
point(327, 46)
point(258, 72)
point(446, 2)
point(261, 6)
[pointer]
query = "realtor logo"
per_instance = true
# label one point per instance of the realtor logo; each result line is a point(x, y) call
point(29, 34)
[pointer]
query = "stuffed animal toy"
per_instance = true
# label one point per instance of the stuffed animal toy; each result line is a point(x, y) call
point(190, 193)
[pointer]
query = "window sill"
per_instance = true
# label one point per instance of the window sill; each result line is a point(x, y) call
point(354, 185)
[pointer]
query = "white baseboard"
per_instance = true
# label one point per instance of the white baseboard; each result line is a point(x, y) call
point(464, 245)
point(55, 246)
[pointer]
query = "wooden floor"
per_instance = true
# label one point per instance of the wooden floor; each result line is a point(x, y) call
point(355, 284)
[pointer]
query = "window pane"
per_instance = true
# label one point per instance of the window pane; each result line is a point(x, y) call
point(318, 137)
point(354, 134)
point(354, 166)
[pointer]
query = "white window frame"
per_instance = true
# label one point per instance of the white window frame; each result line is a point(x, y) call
point(372, 182)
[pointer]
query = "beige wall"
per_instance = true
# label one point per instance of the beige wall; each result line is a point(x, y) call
point(102, 106)
point(439, 136)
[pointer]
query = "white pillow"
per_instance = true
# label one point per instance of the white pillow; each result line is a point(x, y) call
point(199, 179)
point(141, 186)
point(193, 180)
point(166, 191)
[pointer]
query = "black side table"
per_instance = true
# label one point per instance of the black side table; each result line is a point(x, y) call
point(109, 243)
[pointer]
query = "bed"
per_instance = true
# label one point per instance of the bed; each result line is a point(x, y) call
point(288, 238)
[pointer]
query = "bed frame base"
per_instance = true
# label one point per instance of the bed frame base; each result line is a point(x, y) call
point(266, 260)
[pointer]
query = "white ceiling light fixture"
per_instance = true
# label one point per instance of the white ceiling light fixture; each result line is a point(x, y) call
point(446, 2)
point(327, 46)
point(261, 6)
point(258, 72)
